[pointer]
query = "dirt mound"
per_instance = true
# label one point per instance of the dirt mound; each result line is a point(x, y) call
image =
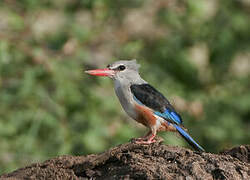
point(133, 161)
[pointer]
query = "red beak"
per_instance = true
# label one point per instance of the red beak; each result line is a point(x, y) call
point(101, 72)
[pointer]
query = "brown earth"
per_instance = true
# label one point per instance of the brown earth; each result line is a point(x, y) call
point(133, 161)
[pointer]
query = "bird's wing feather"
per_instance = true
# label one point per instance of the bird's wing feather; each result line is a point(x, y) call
point(147, 95)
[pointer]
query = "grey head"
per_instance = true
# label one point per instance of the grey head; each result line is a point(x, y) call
point(126, 71)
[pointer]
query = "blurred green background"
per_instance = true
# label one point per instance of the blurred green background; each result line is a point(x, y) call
point(197, 53)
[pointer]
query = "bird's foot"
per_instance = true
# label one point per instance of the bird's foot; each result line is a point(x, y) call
point(140, 139)
point(146, 140)
point(143, 138)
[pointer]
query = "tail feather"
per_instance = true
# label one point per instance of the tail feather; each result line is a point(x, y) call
point(188, 138)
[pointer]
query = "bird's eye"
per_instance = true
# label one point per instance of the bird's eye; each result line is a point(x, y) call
point(121, 67)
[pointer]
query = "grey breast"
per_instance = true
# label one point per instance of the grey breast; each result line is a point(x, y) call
point(126, 99)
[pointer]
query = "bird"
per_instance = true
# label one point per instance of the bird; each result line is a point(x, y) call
point(143, 103)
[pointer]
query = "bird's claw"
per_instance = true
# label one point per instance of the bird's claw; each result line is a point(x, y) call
point(145, 141)
point(140, 139)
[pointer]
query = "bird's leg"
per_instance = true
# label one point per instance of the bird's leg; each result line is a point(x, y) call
point(144, 137)
point(147, 141)
point(149, 138)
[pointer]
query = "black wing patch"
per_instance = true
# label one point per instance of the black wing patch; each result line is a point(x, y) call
point(150, 97)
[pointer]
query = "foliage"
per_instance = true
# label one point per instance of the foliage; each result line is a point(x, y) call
point(194, 52)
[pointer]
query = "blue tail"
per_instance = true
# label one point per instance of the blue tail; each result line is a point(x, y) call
point(188, 138)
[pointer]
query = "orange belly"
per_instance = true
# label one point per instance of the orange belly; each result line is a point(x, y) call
point(145, 116)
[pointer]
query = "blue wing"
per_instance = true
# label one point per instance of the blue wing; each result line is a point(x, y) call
point(148, 96)
point(169, 114)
